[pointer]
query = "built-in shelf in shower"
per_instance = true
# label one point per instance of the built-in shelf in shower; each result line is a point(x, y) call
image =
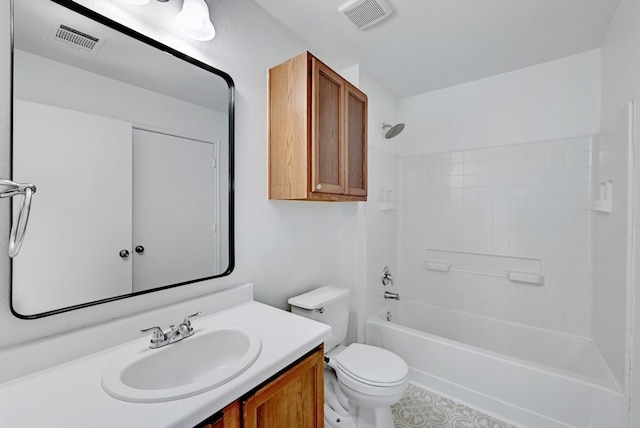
point(515, 269)
point(604, 203)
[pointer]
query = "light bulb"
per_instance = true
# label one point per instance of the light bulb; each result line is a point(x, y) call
point(193, 20)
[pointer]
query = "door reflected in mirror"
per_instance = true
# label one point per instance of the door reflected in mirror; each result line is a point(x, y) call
point(130, 146)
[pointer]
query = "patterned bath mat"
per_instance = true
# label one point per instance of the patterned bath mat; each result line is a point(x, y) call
point(420, 408)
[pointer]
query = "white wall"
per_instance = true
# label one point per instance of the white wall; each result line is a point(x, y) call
point(621, 83)
point(283, 247)
point(381, 226)
point(611, 235)
point(377, 245)
point(554, 100)
point(75, 89)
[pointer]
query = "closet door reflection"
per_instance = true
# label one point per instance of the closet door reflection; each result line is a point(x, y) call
point(148, 216)
point(174, 209)
point(77, 226)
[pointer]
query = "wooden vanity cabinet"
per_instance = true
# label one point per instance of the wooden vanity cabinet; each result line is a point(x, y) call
point(295, 398)
point(317, 133)
point(229, 417)
point(292, 398)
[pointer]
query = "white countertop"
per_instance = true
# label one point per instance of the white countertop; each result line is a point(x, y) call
point(70, 395)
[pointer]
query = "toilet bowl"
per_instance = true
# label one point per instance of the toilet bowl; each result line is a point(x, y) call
point(361, 381)
point(372, 379)
point(336, 407)
point(370, 372)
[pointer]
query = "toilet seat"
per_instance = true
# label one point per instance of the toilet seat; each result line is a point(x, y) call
point(371, 366)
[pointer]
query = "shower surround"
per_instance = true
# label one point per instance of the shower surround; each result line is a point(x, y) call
point(527, 200)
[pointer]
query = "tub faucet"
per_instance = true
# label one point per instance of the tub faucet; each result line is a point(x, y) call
point(390, 295)
point(175, 333)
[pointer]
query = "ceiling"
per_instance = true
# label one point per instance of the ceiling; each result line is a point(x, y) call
point(427, 45)
point(121, 57)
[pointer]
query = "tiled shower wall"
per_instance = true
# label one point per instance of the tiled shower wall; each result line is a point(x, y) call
point(528, 200)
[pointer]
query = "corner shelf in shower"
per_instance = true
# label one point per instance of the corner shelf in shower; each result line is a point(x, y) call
point(388, 206)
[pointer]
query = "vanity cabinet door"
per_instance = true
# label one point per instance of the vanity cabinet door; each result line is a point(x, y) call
point(293, 399)
point(228, 418)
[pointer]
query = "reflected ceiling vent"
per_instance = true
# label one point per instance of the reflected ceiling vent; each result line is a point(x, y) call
point(365, 13)
point(72, 37)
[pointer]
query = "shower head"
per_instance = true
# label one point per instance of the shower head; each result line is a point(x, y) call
point(392, 130)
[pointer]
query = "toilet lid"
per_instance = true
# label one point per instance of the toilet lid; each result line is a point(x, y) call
point(372, 365)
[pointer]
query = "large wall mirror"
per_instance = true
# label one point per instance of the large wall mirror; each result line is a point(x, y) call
point(130, 146)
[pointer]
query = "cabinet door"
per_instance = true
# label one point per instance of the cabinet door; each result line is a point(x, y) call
point(356, 141)
point(172, 176)
point(327, 131)
point(228, 418)
point(293, 399)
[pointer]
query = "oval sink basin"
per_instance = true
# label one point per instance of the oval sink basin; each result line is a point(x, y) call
point(189, 367)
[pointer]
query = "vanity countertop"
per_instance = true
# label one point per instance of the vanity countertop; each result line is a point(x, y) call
point(70, 395)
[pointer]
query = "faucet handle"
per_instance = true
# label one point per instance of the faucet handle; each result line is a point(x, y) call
point(158, 335)
point(387, 277)
point(187, 320)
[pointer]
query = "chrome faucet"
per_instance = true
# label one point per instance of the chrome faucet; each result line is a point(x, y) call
point(175, 333)
point(390, 295)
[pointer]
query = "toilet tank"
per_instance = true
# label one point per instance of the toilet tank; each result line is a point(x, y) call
point(328, 305)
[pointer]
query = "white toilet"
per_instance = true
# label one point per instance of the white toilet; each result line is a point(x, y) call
point(361, 381)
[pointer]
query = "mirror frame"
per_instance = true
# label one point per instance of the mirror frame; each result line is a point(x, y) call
point(70, 4)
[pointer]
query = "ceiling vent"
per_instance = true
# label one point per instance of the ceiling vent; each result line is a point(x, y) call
point(79, 40)
point(365, 13)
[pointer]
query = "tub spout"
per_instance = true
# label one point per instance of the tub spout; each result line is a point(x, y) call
point(390, 295)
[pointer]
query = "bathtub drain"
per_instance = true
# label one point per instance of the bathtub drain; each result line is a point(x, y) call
point(389, 316)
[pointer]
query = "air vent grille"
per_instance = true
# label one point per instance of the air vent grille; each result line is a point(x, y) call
point(365, 13)
point(74, 38)
point(78, 38)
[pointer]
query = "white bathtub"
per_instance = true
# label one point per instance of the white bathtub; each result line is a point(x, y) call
point(532, 377)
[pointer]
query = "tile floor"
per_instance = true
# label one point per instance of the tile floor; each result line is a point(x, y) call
point(420, 408)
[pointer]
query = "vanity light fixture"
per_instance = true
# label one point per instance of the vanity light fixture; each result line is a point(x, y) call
point(193, 20)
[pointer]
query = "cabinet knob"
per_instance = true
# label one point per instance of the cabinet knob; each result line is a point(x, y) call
point(139, 249)
point(318, 186)
point(124, 254)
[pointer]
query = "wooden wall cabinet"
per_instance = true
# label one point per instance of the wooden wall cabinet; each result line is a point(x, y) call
point(293, 398)
point(317, 133)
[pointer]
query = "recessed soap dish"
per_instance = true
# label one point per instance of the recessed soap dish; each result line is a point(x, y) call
point(604, 203)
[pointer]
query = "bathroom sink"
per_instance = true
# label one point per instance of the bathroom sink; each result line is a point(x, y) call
point(207, 359)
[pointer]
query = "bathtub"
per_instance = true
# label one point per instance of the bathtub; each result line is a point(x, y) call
point(531, 377)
